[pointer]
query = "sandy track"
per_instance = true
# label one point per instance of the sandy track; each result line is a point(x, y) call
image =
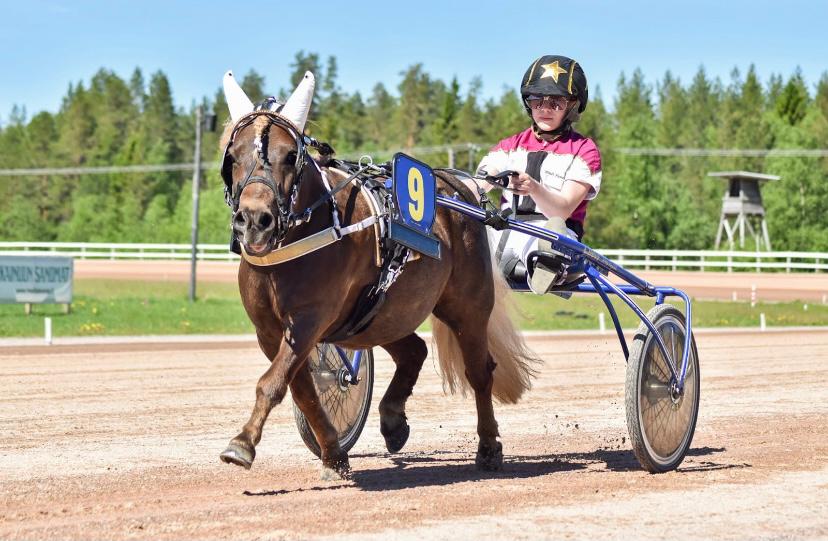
point(123, 442)
point(708, 285)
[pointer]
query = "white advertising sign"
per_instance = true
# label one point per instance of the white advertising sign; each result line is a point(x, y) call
point(26, 279)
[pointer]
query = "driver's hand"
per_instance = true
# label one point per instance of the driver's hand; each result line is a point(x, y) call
point(523, 184)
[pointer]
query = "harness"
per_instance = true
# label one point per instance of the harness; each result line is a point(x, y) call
point(390, 256)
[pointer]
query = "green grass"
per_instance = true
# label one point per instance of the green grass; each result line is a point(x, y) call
point(116, 307)
point(581, 312)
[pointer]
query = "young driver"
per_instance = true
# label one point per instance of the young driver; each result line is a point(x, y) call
point(559, 169)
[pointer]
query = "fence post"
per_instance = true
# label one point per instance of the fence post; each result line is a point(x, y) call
point(701, 264)
point(472, 150)
point(196, 189)
point(674, 262)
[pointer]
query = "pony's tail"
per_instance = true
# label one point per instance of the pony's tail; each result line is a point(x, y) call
point(516, 364)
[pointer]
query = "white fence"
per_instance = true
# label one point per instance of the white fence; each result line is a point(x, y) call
point(669, 260)
point(714, 260)
point(106, 250)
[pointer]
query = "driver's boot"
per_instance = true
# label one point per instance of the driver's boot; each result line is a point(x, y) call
point(547, 271)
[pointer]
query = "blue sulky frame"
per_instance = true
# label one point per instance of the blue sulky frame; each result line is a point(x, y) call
point(353, 369)
point(583, 259)
point(595, 267)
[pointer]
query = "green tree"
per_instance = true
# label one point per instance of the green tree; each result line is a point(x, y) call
point(159, 139)
point(416, 107)
point(792, 103)
point(137, 88)
point(378, 110)
point(641, 216)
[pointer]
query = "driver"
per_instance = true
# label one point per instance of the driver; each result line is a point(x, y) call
point(559, 169)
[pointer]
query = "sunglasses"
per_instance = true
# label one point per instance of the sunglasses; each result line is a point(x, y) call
point(556, 103)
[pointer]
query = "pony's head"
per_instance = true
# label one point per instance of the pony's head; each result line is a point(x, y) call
point(263, 164)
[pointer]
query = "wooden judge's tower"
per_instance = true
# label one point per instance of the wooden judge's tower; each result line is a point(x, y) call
point(742, 209)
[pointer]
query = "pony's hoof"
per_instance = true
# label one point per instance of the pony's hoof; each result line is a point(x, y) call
point(489, 458)
point(339, 470)
point(239, 455)
point(395, 440)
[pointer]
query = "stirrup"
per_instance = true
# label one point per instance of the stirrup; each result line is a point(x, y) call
point(548, 269)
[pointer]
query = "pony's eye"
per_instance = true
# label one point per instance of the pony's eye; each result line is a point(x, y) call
point(290, 158)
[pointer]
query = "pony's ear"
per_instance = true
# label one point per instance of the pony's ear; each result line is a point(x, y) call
point(237, 101)
point(298, 104)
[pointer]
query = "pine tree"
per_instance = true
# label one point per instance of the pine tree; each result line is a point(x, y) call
point(253, 85)
point(137, 89)
point(640, 217)
point(379, 110)
point(792, 102)
point(160, 143)
point(415, 110)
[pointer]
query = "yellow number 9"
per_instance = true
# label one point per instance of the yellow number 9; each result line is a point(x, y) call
point(416, 207)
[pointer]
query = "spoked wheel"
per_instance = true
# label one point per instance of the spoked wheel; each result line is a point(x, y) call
point(661, 420)
point(346, 404)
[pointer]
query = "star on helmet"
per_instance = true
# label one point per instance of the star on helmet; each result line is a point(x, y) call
point(552, 70)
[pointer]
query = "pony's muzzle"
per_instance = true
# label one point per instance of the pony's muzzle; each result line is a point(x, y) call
point(254, 227)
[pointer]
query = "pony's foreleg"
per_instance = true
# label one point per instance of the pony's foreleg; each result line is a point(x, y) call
point(479, 368)
point(334, 460)
point(408, 354)
point(270, 391)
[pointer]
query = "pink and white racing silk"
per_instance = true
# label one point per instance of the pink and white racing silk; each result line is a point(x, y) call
point(571, 158)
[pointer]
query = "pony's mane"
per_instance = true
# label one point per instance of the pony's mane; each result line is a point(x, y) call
point(226, 132)
point(258, 125)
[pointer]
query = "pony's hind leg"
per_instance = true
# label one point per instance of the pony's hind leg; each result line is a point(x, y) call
point(479, 369)
point(408, 355)
point(469, 329)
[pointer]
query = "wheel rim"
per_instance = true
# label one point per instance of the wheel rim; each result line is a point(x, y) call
point(342, 401)
point(666, 416)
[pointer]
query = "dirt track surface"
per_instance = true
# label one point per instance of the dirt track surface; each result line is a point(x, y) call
point(706, 285)
point(123, 442)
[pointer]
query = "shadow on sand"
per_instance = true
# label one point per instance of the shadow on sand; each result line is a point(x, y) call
point(412, 470)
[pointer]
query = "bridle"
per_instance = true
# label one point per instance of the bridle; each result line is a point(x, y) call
point(285, 217)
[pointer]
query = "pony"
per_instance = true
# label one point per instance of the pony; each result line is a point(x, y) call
point(272, 183)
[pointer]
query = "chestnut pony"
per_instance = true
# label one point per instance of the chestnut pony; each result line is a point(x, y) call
point(298, 303)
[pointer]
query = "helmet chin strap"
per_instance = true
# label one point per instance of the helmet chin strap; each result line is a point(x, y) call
point(551, 135)
point(564, 128)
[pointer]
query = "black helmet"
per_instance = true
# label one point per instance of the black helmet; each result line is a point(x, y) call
point(553, 75)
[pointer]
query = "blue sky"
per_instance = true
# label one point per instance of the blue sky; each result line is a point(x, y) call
point(46, 44)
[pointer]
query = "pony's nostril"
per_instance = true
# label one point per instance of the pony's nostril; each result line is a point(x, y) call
point(265, 220)
point(239, 219)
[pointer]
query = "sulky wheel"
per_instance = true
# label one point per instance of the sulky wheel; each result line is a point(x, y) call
point(346, 404)
point(660, 420)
